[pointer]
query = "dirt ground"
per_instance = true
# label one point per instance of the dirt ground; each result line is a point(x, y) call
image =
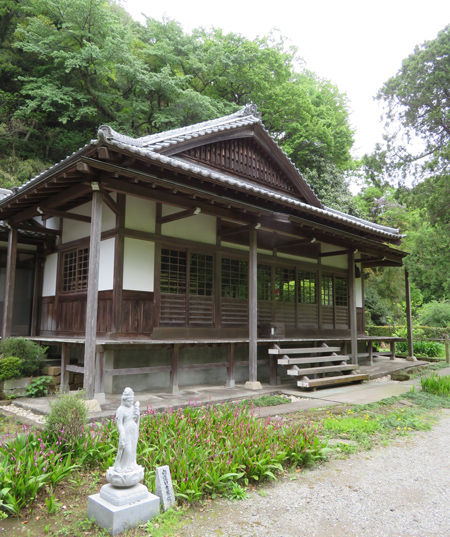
point(402, 490)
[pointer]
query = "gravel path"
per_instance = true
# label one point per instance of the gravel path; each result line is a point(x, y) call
point(402, 490)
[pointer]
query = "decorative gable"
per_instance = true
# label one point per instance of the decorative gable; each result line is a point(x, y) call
point(245, 158)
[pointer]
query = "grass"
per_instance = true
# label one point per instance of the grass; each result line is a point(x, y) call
point(436, 385)
point(266, 400)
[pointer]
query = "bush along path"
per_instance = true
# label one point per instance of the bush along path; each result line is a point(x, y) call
point(212, 451)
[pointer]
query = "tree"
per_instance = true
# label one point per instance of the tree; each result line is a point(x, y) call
point(418, 97)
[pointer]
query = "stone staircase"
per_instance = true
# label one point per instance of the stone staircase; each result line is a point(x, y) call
point(317, 366)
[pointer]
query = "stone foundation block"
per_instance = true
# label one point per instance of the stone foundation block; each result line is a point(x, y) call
point(117, 510)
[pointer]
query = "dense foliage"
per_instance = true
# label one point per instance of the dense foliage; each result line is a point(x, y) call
point(68, 66)
point(31, 354)
point(210, 450)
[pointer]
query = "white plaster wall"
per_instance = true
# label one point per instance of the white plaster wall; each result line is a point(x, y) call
point(52, 223)
point(298, 258)
point(140, 214)
point(49, 279)
point(106, 265)
point(338, 261)
point(139, 265)
point(73, 230)
point(200, 227)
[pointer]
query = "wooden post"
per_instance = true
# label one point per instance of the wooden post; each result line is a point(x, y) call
point(92, 294)
point(99, 368)
point(118, 265)
point(352, 307)
point(65, 360)
point(409, 333)
point(37, 293)
point(370, 350)
point(392, 350)
point(175, 354)
point(10, 281)
point(230, 368)
point(273, 378)
point(447, 350)
point(253, 383)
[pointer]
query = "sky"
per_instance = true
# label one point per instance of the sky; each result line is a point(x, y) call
point(356, 44)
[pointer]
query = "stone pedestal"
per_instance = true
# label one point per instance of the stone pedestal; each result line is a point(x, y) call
point(253, 385)
point(118, 509)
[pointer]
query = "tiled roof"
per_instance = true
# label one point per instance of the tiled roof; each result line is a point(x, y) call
point(150, 146)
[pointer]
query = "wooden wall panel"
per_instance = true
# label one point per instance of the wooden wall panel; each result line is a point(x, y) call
point(234, 312)
point(342, 317)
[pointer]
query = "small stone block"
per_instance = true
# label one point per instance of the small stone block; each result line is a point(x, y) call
point(92, 405)
point(123, 496)
point(118, 518)
point(253, 385)
point(164, 487)
point(52, 370)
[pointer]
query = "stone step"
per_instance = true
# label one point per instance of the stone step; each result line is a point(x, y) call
point(304, 350)
point(296, 371)
point(331, 381)
point(312, 359)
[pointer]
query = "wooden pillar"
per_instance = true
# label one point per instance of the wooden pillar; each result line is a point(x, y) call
point(99, 369)
point(37, 293)
point(65, 360)
point(175, 354)
point(118, 264)
point(370, 350)
point(352, 307)
point(92, 294)
point(409, 333)
point(447, 350)
point(10, 280)
point(253, 314)
point(230, 368)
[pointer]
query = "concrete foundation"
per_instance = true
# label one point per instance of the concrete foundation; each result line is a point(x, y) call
point(118, 509)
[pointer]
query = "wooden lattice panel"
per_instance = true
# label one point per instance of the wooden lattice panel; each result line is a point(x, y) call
point(245, 158)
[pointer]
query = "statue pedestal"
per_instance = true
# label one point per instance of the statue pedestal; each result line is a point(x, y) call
point(118, 509)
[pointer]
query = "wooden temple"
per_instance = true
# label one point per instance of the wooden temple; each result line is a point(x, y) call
point(206, 235)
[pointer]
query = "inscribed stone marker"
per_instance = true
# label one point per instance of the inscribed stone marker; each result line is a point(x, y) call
point(164, 487)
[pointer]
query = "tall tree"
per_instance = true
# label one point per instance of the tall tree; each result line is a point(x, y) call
point(418, 97)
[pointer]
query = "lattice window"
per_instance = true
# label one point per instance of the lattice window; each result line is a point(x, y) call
point(75, 270)
point(173, 271)
point(284, 287)
point(201, 275)
point(326, 290)
point(234, 278)
point(264, 282)
point(341, 287)
point(307, 286)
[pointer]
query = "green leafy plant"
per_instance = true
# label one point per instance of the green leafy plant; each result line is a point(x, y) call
point(436, 313)
point(266, 400)
point(431, 349)
point(10, 367)
point(67, 416)
point(30, 353)
point(436, 385)
point(52, 504)
point(39, 387)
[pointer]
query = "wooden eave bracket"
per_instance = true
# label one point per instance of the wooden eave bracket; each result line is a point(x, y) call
point(178, 216)
point(110, 202)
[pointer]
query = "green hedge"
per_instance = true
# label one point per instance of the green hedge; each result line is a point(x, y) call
point(425, 332)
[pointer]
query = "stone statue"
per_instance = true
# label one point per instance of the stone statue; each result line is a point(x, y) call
point(125, 472)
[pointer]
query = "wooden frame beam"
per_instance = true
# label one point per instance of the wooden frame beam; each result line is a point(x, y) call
point(54, 201)
point(68, 215)
point(332, 254)
point(180, 215)
point(110, 203)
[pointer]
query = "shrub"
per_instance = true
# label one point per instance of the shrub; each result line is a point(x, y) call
point(10, 368)
point(435, 313)
point(28, 351)
point(436, 385)
point(432, 349)
point(67, 416)
point(39, 387)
